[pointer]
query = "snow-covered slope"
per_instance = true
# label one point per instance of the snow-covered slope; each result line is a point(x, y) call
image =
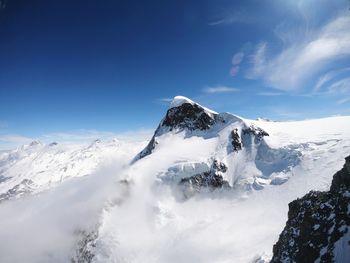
point(209, 187)
point(35, 167)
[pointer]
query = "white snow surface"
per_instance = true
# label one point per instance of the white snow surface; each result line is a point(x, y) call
point(50, 165)
point(76, 188)
point(179, 100)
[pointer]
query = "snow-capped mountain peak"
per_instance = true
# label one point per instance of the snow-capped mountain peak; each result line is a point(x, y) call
point(185, 115)
point(226, 140)
point(179, 100)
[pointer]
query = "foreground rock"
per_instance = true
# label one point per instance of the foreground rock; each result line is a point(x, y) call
point(318, 225)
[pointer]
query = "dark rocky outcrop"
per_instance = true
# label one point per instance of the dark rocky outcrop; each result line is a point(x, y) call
point(236, 140)
point(341, 180)
point(245, 137)
point(316, 222)
point(149, 148)
point(212, 179)
point(189, 116)
point(255, 131)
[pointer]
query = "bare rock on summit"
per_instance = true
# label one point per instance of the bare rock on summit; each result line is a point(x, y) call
point(190, 116)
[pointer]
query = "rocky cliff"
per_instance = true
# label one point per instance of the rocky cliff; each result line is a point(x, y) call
point(318, 225)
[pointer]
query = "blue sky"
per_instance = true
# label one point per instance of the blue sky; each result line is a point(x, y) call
point(74, 70)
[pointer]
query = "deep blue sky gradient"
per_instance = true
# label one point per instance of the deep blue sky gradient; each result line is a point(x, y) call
point(107, 65)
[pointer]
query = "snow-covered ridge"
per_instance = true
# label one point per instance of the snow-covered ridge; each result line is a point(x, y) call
point(180, 100)
point(43, 166)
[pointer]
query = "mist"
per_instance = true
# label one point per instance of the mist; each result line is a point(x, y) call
point(46, 227)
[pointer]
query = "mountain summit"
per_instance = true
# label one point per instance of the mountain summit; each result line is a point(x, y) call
point(229, 138)
point(183, 114)
point(186, 114)
point(190, 117)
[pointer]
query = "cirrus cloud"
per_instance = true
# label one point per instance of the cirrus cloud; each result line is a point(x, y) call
point(219, 89)
point(302, 59)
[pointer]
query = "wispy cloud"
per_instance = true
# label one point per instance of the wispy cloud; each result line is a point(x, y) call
point(340, 87)
point(234, 71)
point(13, 138)
point(231, 17)
point(236, 61)
point(258, 61)
point(302, 58)
point(323, 80)
point(238, 58)
point(10, 141)
point(343, 101)
point(163, 101)
point(271, 94)
point(219, 89)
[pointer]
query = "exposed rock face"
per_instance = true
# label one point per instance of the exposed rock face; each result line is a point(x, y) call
point(149, 148)
point(341, 180)
point(189, 116)
point(316, 223)
point(212, 180)
point(236, 140)
point(24, 187)
point(255, 131)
